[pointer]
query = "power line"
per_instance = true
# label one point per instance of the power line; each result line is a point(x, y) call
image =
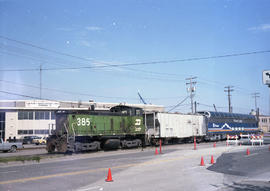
point(35, 57)
point(205, 81)
point(179, 104)
point(22, 95)
point(66, 92)
point(182, 105)
point(44, 49)
point(85, 59)
point(5, 51)
point(211, 106)
point(82, 94)
point(47, 62)
point(118, 65)
point(130, 69)
point(33, 97)
point(145, 63)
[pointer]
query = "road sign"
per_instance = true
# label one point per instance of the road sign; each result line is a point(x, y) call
point(266, 77)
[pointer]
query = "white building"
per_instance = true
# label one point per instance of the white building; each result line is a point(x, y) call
point(264, 123)
point(19, 118)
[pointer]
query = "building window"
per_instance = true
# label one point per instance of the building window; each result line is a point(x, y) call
point(41, 131)
point(52, 115)
point(39, 115)
point(47, 115)
point(42, 115)
point(25, 115)
point(20, 115)
point(25, 132)
point(31, 115)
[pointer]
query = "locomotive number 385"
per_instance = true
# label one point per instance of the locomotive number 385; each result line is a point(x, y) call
point(83, 121)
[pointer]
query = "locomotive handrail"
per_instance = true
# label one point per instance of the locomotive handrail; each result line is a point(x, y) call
point(66, 127)
point(73, 129)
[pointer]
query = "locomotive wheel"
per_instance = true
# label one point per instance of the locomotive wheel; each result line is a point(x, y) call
point(61, 145)
point(50, 145)
point(139, 142)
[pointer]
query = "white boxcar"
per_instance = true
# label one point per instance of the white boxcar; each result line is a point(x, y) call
point(180, 125)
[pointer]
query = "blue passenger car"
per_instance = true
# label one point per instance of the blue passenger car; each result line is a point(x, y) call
point(221, 124)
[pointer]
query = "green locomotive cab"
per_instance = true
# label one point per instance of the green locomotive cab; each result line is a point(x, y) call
point(122, 126)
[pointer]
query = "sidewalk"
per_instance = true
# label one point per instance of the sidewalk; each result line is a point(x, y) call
point(179, 170)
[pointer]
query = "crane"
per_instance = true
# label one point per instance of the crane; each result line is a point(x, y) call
point(141, 98)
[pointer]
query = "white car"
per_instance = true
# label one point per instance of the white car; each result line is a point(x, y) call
point(12, 147)
point(40, 141)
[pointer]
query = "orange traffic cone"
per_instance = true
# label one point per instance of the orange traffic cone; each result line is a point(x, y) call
point(109, 177)
point(248, 153)
point(156, 152)
point(215, 144)
point(212, 160)
point(202, 161)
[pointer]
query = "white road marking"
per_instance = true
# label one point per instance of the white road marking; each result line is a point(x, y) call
point(8, 172)
point(87, 188)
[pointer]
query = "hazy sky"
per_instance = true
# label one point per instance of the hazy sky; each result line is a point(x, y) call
point(64, 34)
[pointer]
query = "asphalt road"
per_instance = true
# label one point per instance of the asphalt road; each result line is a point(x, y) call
point(176, 169)
point(247, 172)
point(72, 171)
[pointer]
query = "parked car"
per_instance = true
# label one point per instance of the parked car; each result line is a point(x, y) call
point(12, 147)
point(40, 141)
point(29, 139)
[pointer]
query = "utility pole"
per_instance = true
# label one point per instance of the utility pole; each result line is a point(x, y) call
point(255, 96)
point(191, 89)
point(229, 90)
point(266, 81)
point(40, 81)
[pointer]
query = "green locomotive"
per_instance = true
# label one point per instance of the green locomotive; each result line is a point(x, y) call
point(122, 126)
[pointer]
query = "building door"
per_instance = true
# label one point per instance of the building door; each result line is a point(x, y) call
point(2, 124)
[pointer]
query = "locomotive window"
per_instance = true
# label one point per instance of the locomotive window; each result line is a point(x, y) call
point(149, 121)
point(138, 112)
